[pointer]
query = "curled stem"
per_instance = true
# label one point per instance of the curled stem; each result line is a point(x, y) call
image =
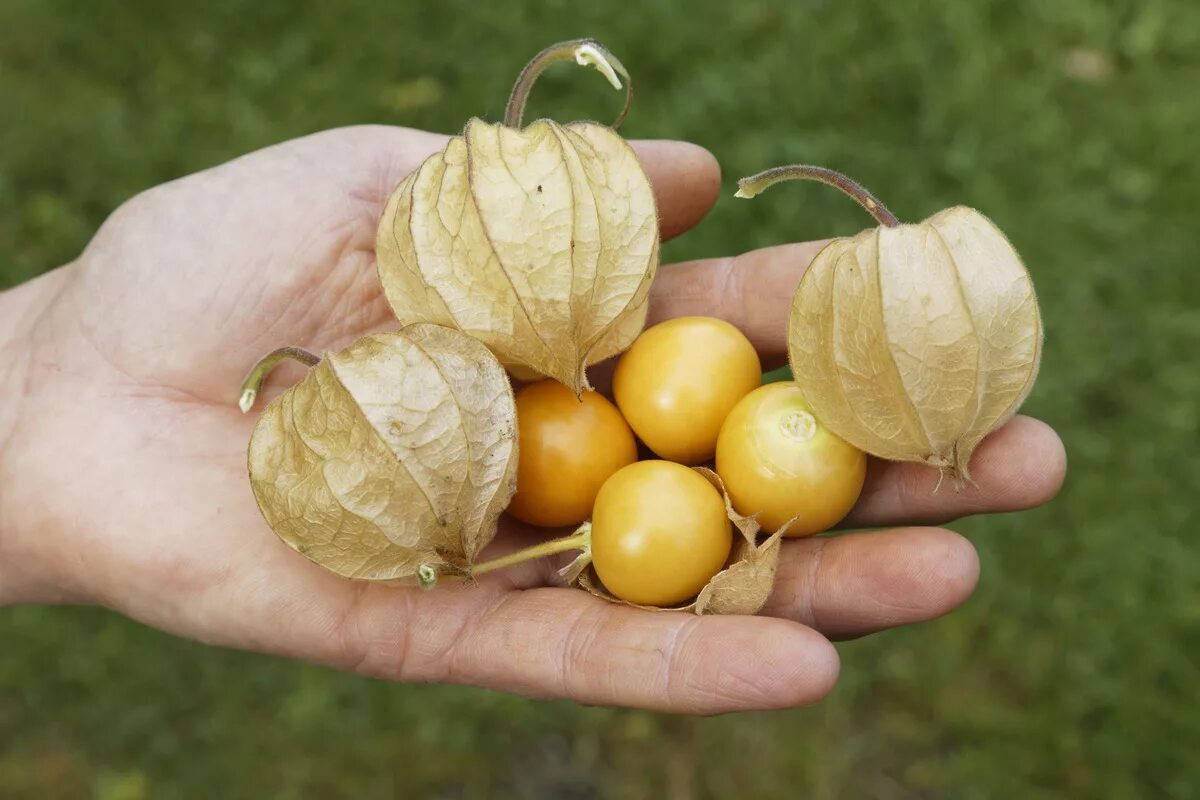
point(579, 540)
point(259, 372)
point(585, 52)
point(755, 184)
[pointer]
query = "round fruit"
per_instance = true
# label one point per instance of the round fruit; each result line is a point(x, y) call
point(777, 461)
point(568, 447)
point(678, 382)
point(659, 533)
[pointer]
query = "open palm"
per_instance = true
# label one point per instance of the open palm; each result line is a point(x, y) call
point(132, 485)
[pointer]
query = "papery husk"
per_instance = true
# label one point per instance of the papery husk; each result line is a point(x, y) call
point(742, 587)
point(540, 242)
point(394, 455)
point(913, 342)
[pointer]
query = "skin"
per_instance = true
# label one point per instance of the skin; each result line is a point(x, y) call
point(568, 448)
point(778, 462)
point(659, 533)
point(123, 477)
point(678, 381)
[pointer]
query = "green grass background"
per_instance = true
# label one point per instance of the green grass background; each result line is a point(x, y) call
point(1075, 124)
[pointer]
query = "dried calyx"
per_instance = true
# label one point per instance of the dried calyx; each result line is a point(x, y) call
point(541, 241)
point(392, 459)
point(912, 342)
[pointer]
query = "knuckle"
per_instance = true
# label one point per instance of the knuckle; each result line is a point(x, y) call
point(730, 283)
point(374, 638)
point(579, 667)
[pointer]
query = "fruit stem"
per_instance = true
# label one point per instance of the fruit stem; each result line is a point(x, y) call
point(579, 540)
point(270, 361)
point(586, 53)
point(755, 184)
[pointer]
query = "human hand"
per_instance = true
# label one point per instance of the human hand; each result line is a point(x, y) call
point(123, 473)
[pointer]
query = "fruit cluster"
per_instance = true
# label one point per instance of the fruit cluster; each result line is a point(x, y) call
point(527, 254)
point(689, 388)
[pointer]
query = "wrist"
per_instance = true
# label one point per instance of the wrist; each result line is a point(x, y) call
point(21, 310)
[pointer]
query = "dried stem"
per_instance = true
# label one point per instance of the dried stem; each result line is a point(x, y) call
point(579, 540)
point(259, 373)
point(755, 184)
point(585, 52)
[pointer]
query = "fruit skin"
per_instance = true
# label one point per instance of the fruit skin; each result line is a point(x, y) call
point(659, 533)
point(568, 449)
point(680, 379)
point(778, 461)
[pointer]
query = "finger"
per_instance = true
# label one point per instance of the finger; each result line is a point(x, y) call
point(753, 291)
point(1022, 465)
point(686, 179)
point(685, 176)
point(859, 583)
point(564, 643)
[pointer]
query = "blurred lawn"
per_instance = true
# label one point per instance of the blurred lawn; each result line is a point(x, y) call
point(1075, 671)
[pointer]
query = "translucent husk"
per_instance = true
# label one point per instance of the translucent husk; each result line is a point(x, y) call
point(392, 459)
point(913, 342)
point(540, 241)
